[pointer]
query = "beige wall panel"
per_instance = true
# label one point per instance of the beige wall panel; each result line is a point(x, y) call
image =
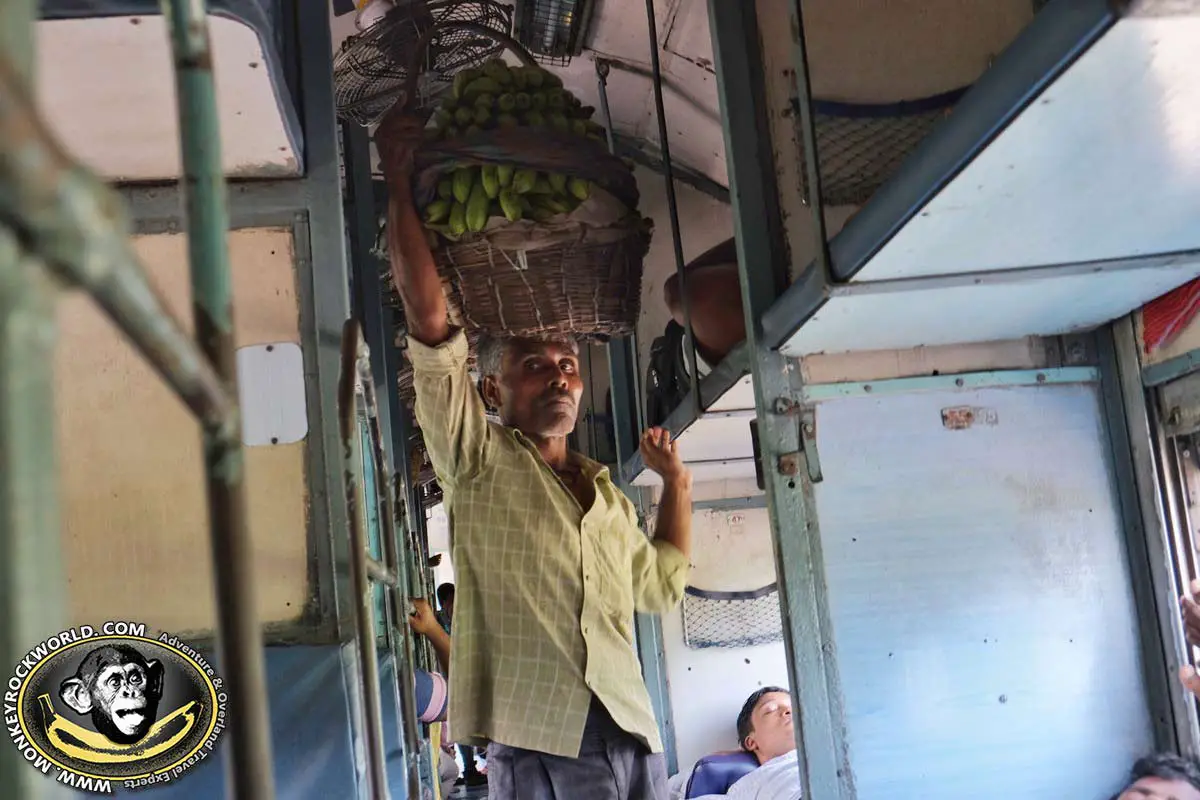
point(134, 517)
point(875, 365)
point(880, 51)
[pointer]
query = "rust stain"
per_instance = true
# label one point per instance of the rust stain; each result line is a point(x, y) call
point(959, 418)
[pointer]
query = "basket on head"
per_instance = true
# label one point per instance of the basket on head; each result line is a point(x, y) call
point(372, 69)
point(575, 273)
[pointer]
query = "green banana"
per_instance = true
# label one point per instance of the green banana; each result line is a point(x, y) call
point(558, 182)
point(485, 100)
point(458, 219)
point(538, 101)
point(507, 121)
point(463, 179)
point(520, 76)
point(490, 179)
point(535, 77)
point(579, 127)
point(580, 188)
point(541, 186)
point(482, 115)
point(463, 116)
point(534, 119)
point(504, 173)
point(482, 86)
point(507, 102)
point(461, 80)
point(556, 100)
point(437, 211)
point(523, 180)
point(510, 205)
point(477, 208)
point(559, 123)
point(498, 71)
point(472, 130)
point(445, 189)
point(522, 101)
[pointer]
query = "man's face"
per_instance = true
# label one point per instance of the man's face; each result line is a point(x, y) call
point(538, 389)
point(771, 733)
point(1160, 789)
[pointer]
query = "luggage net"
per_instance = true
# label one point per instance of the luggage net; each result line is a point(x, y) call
point(731, 619)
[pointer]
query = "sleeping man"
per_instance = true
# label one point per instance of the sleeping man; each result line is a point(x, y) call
point(765, 730)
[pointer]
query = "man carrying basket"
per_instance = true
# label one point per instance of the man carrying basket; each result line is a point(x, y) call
point(550, 564)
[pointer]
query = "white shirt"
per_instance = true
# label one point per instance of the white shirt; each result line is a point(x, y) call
point(778, 779)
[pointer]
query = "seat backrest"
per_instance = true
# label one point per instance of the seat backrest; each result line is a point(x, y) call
point(714, 774)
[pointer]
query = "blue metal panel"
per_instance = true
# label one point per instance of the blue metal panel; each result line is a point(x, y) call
point(310, 732)
point(968, 380)
point(981, 601)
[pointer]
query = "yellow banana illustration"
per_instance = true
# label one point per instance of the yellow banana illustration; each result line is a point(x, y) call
point(78, 742)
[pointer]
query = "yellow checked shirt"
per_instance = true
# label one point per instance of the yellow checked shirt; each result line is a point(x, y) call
point(545, 593)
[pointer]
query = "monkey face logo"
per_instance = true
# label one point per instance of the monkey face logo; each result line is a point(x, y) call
point(125, 708)
point(119, 689)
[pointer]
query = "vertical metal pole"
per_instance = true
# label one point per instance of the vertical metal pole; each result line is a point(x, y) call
point(762, 258)
point(31, 576)
point(1148, 546)
point(672, 208)
point(32, 584)
point(239, 637)
point(623, 368)
point(368, 656)
point(396, 608)
point(808, 136)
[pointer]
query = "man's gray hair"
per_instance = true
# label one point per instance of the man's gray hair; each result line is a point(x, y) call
point(489, 353)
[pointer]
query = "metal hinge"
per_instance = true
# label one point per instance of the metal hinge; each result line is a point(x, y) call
point(789, 463)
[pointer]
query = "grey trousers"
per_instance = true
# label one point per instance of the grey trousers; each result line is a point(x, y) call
point(612, 765)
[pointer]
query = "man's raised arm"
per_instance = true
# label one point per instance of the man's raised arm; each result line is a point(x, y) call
point(412, 264)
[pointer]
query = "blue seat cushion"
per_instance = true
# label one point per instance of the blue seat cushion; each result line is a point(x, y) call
point(716, 773)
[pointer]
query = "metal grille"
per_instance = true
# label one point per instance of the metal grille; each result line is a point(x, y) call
point(552, 30)
point(371, 69)
point(731, 619)
point(861, 146)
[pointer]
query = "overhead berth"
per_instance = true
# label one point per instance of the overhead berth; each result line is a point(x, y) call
point(1061, 193)
point(106, 85)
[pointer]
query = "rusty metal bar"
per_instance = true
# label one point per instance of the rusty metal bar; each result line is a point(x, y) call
point(239, 635)
point(349, 387)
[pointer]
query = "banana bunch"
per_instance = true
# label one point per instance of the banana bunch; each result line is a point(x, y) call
point(498, 96)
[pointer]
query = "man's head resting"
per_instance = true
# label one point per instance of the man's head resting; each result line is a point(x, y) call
point(534, 384)
point(764, 725)
point(445, 597)
point(1164, 776)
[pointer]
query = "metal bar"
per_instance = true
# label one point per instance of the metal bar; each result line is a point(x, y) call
point(378, 573)
point(623, 368)
point(32, 583)
point(652, 654)
point(325, 289)
point(823, 756)
point(74, 223)
point(252, 204)
point(816, 392)
point(396, 607)
point(731, 503)
point(251, 770)
point(363, 611)
point(1172, 368)
point(672, 206)
point(1148, 548)
point(808, 136)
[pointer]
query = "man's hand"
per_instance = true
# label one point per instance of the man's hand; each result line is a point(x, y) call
point(397, 136)
point(423, 620)
point(1190, 610)
point(661, 454)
